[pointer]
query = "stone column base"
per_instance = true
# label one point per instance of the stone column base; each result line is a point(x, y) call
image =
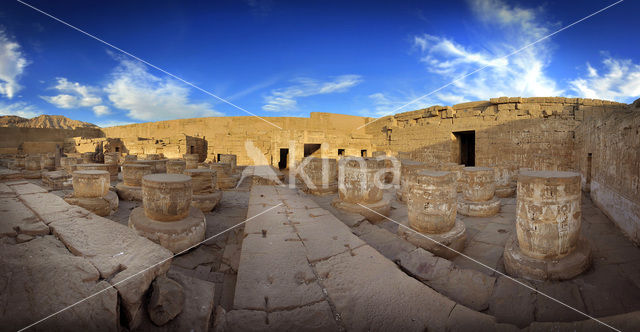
point(478, 209)
point(505, 192)
point(102, 206)
point(176, 236)
point(206, 202)
point(227, 182)
point(32, 174)
point(519, 265)
point(382, 207)
point(129, 193)
point(57, 180)
point(399, 196)
point(454, 239)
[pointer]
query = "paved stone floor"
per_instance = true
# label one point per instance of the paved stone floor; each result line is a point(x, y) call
point(611, 286)
point(307, 266)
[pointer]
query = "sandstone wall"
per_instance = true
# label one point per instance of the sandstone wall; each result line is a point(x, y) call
point(608, 157)
point(40, 140)
point(253, 140)
point(538, 133)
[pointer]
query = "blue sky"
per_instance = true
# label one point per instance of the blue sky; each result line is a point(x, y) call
point(279, 58)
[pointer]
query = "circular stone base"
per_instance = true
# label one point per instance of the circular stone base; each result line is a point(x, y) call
point(454, 239)
point(383, 207)
point(320, 190)
point(102, 206)
point(520, 265)
point(478, 209)
point(176, 236)
point(206, 202)
point(31, 174)
point(505, 192)
point(129, 193)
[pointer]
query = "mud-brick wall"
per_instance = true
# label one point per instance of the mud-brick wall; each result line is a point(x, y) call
point(538, 133)
point(608, 149)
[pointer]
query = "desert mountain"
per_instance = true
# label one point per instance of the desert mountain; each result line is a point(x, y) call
point(43, 121)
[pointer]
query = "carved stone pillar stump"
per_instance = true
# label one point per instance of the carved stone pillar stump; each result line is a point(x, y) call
point(408, 168)
point(91, 191)
point(130, 189)
point(69, 164)
point(112, 169)
point(322, 174)
point(360, 188)
point(130, 158)
point(457, 169)
point(32, 169)
point(548, 220)
point(48, 162)
point(226, 180)
point(167, 216)
point(229, 159)
point(506, 179)
point(87, 158)
point(431, 207)
point(176, 166)
point(18, 163)
point(191, 160)
point(205, 189)
point(478, 195)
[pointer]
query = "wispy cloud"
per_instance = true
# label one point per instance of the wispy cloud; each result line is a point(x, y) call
point(12, 65)
point(148, 97)
point(112, 123)
point(20, 108)
point(285, 99)
point(75, 95)
point(384, 104)
point(522, 74)
point(618, 79)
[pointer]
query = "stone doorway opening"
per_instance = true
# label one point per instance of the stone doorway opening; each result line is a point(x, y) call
point(284, 155)
point(466, 141)
point(363, 153)
point(310, 149)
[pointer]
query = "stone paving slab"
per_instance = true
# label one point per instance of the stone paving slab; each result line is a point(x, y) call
point(28, 188)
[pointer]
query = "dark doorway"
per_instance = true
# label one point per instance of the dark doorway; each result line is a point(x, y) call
point(191, 149)
point(284, 155)
point(363, 153)
point(218, 157)
point(117, 149)
point(340, 152)
point(309, 149)
point(467, 142)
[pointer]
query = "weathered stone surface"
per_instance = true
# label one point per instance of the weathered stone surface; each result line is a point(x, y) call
point(129, 261)
point(274, 274)
point(129, 193)
point(431, 201)
point(206, 202)
point(176, 166)
point(479, 184)
point(167, 300)
point(16, 218)
point(22, 238)
point(438, 244)
point(374, 212)
point(512, 303)
point(102, 206)
point(319, 176)
point(408, 167)
point(166, 197)
point(90, 183)
point(478, 209)
point(360, 180)
point(132, 174)
point(371, 293)
point(56, 180)
point(40, 277)
point(315, 317)
point(176, 236)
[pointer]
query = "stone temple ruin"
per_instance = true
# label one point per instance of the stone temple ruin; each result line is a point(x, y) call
point(508, 214)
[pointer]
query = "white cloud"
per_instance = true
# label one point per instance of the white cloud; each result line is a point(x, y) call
point(101, 110)
point(384, 104)
point(112, 123)
point(148, 97)
point(619, 80)
point(286, 99)
point(520, 74)
point(12, 65)
point(20, 108)
point(75, 95)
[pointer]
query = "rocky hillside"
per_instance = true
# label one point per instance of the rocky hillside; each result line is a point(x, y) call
point(43, 121)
